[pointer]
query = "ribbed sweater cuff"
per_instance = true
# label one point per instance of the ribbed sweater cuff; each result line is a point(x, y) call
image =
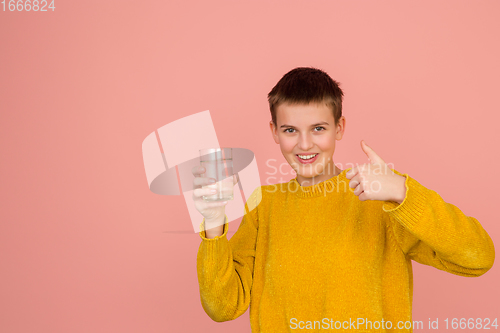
point(410, 211)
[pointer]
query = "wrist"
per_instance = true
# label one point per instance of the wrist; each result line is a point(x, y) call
point(215, 221)
point(214, 228)
point(402, 193)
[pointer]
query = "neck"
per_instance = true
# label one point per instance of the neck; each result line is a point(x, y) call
point(310, 181)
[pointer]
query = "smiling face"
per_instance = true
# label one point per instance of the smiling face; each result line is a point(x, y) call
point(308, 129)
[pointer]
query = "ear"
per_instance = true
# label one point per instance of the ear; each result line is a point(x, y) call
point(340, 129)
point(274, 132)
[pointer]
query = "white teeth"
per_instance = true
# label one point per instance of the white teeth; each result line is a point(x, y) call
point(306, 157)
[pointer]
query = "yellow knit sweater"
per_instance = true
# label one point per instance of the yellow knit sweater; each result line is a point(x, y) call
point(317, 258)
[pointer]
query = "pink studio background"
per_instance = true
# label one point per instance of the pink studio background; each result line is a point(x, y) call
point(85, 246)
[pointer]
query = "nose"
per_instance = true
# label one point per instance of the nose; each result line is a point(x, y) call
point(305, 142)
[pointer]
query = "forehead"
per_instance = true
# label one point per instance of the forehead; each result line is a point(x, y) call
point(303, 114)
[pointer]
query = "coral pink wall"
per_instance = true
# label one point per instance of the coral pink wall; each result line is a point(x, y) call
point(85, 246)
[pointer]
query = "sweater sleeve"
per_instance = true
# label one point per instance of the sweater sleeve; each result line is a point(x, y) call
point(225, 267)
point(435, 233)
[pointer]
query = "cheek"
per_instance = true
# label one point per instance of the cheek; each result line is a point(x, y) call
point(325, 143)
point(286, 145)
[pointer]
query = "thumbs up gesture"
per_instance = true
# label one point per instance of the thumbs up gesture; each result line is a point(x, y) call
point(375, 180)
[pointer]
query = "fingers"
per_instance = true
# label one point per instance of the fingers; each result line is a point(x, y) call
point(199, 192)
point(198, 170)
point(358, 190)
point(202, 181)
point(198, 181)
point(353, 183)
point(351, 173)
point(216, 203)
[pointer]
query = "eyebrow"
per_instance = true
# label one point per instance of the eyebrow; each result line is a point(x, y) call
point(321, 123)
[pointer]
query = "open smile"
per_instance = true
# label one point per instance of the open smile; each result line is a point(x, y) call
point(308, 158)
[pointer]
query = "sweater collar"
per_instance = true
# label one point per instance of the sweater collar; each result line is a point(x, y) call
point(322, 188)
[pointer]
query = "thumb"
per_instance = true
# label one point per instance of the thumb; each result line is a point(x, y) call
point(372, 155)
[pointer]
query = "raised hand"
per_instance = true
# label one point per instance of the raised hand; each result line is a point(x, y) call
point(212, 211)
point(375, 180)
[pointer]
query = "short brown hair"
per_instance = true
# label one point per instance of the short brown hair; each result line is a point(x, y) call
point(303, 85)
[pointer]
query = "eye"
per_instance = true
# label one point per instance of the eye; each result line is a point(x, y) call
point(321, 129)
